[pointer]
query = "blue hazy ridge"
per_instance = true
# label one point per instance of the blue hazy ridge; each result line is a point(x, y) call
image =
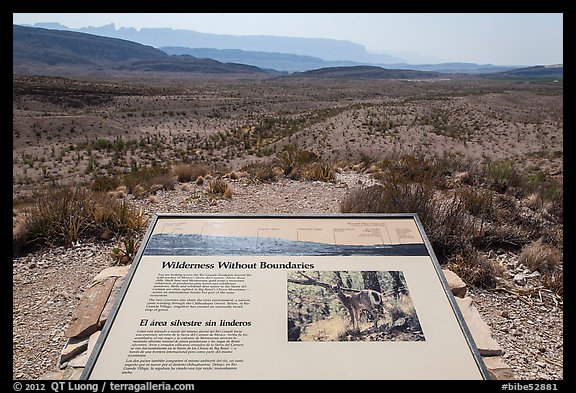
point(197, 245)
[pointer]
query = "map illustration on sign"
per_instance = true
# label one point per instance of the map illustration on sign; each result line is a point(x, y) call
point(208, 296)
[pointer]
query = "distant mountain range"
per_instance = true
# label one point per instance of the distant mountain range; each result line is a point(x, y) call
point(549, 71)
point(38, 50)
point(367, 72)
point(279, 53)
point(324, 48)
point(268, 60)
point(62, 53)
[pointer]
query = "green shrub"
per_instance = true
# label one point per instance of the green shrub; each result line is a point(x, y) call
point(102, 144)
point(501, 175)
point(125, 250)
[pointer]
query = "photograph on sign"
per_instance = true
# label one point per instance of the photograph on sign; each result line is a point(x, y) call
point(351, 306)
point(284, 297)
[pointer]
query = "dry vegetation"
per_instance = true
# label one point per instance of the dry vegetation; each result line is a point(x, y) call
point(479, 161)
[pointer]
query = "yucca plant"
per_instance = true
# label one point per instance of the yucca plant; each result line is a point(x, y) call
point(125, 250)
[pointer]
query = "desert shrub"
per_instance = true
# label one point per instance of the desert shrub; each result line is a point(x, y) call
point(390, 198)
point(540, 256)
point(19, 231)
point(478, 202)
point(164, 181)
point(104, 183)
point(185, 173)
point(501, 175)
point(292, 159)
point(59, 217)
point(218, 188)
point(260, 172)
point(125, 250)
point(419, 167)
point(121, 217)
point(475, 269)
point(228, 192)
point(554, 281)
point(318, 171)
point(505, 235)
point(145, 177)
point(546, 193)
point(447, 223)
point(66, 215)
point(102, 144)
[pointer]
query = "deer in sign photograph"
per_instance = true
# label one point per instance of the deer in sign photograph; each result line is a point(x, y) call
point(365, 299)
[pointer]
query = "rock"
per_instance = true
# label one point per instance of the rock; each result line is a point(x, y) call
point(74, 374)
point(505, 314)
point(53, 376)
point(114, 271)
point(73, 347)
point(481, 332)
point(519, 279)
point(497, 368)
point(111, 300)
point(457, 286)
point(79, 361)
point(106, 234)
point(87, 314)
point(92, 341)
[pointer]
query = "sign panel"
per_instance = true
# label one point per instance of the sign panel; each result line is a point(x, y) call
point(285, 297)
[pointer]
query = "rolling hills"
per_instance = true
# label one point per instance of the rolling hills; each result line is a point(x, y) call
point(57, 52)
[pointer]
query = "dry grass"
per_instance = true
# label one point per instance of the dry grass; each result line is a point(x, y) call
point(219, 188)
point(541, 257)
point(475, 269)
point(465, 218)
point(67, 215)
point(185, 173)
point(318, 171)
point(260, 172)
point(446, 222)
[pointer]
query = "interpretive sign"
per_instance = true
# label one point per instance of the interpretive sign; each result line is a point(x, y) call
point(285, 297)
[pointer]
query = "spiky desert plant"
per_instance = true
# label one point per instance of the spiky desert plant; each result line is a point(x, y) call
point(219, 188)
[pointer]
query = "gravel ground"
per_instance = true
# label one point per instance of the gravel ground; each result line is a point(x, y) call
point(47, 285)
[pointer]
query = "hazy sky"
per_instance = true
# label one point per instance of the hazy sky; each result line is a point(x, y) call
point(496, 38)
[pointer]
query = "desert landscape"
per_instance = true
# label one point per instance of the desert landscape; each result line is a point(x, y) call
point(104, 139)
point(69, 130)
point(148, 142)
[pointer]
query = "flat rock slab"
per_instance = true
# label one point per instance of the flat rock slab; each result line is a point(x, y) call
point(113, 271)
point(92, 341)
point(73, 347)
point(457, 286)
point(481, 332)
point(87, 313)
point(497, 368)
point(111, 301)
